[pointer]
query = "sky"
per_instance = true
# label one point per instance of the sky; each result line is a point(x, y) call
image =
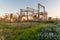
point(14, 6)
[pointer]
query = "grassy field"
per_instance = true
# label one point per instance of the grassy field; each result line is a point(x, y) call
point(30, 32)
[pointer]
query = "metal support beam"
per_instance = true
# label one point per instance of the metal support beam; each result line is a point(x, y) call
point(43, 9)
point(38, 10)
point(33, 12)
point(27, 14)
point(21, 11)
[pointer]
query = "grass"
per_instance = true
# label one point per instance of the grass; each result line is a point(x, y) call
point(25, 33)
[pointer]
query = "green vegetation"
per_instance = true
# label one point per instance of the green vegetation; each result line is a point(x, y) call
point(8, 32)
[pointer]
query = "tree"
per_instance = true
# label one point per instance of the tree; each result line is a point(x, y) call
point(11, 16)
point(56, 18)
point(5, 17)
point(50, 18)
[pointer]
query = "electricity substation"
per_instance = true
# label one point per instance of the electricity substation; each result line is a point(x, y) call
point(28, 14)
point(33, 14)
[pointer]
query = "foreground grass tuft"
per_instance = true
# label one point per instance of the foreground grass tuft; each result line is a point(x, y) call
point(25, 33)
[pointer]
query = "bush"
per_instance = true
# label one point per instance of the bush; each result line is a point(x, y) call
point(49, 33)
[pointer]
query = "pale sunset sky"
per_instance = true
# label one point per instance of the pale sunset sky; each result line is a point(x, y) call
point(13, 6)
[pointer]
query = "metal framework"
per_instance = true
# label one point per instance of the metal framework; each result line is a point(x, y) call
point(39, 5)
point(28, 9)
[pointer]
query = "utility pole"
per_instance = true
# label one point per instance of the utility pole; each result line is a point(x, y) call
point(18, 19)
